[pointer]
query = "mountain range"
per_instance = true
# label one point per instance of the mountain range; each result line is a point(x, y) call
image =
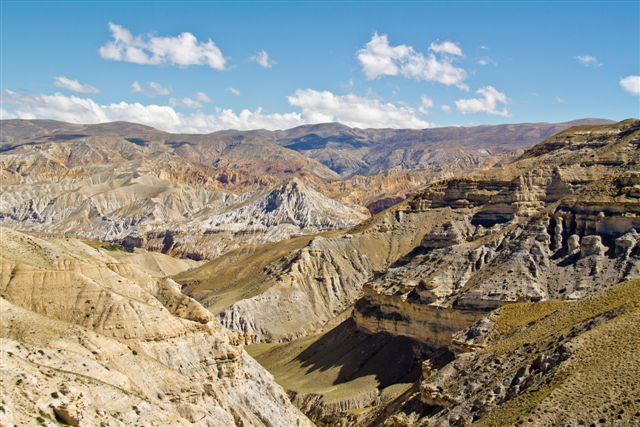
point(202, 195)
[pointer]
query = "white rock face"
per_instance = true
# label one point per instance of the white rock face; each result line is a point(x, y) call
point(625, 244)
point(171, 217)
point(291, 204)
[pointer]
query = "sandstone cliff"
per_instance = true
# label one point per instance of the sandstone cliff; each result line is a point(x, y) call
point(558, 228)
point(544, 363)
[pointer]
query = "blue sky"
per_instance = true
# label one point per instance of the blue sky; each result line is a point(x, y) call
point(367, 64)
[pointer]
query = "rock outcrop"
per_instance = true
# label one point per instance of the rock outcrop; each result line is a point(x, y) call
point(88, 337)
point(535, 237)
point(544, 363)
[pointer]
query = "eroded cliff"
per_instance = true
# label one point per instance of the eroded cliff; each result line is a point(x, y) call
point(88, 337)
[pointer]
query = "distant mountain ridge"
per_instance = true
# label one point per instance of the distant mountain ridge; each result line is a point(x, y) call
point(345, 150)
point(203, 195)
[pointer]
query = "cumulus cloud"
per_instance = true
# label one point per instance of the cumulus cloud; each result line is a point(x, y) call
point(379, 58)
point(447, 47)
point(314, 107)
point(74, 85)
point(84, 110)
point(446, 108)
point(233, 90)
point(631, 84)
point(262, 59)
point(150, 89)
point(182, 50)
point(353, 110)
point(487, 101)
point(588, 60)
point(196, 102)
point(426, 104)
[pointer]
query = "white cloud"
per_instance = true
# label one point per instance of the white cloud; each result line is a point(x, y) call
point(84, 110)
point(426, 104)
point(560, 100)
point(353, 110)
point(446, 108)
point(150, 89)
point(74, 85)
point(182, 50)
point(378, 58)
point(202, 97)
point(486, 61)
point(196, 102)
point(314, 107)
point(262, 59)
point(233, 90)
point(487, 102)
point(448, 47)
point(588, 60)
point(5, 115)
point(157, 89)
point(631, 84)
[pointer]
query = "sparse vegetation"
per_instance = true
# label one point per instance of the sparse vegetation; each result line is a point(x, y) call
point(109, 246)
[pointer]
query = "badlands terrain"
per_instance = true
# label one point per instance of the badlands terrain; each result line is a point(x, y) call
point(200, 196)
point(321, 275)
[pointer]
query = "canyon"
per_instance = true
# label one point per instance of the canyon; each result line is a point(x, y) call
point(559, 223)
point(378, 277)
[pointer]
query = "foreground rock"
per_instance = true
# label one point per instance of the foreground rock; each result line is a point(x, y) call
point(544, 363)
point(88, 338)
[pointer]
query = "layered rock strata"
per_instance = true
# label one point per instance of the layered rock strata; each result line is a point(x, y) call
point(90, 338)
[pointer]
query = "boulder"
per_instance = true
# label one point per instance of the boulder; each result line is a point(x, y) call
point(624, 244)
point(573, 243)
point(592, 245)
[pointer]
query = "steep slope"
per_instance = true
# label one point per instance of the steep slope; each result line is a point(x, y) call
point(544, 363)
point(302, 290)
point(90, 338)
point(290, 204)
point(333, 375)
point(561, 222)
